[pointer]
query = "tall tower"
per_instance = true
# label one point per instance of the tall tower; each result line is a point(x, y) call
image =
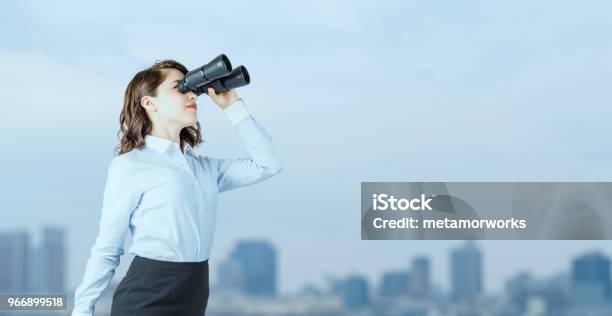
point(258, 261)
point(53, 260)
point(466, 272)
point(14, 262)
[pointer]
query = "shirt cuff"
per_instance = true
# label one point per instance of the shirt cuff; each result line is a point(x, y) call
point(236, 112)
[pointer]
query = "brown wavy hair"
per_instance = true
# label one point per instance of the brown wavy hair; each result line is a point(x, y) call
point(134, 121)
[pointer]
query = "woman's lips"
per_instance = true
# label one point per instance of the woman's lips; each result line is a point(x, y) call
point(193, 106)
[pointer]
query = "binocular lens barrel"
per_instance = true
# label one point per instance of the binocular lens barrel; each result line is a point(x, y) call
point(237, 78)
point(217, 74)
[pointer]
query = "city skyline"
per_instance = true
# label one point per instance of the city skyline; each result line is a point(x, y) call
point(421, 263)
point(248, 277)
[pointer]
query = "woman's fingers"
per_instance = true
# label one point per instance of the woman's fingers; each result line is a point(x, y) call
point(222, 99)
point(213, 95)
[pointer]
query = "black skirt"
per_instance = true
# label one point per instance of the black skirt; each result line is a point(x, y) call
point(152, 287)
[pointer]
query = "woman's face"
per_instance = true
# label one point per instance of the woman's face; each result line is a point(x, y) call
point(172, 106)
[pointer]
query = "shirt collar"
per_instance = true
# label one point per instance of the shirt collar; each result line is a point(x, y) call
point(164, 145)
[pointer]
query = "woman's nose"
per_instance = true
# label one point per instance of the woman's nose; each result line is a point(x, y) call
point(191, 95)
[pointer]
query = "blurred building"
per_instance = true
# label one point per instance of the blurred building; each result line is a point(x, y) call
point(591, 279)
point(14, 262)
point(259, 269)
point(525, 291)
point(355, 292)
point(395, 284)
point(466, 272)
point(52, 260)
point(420, 279)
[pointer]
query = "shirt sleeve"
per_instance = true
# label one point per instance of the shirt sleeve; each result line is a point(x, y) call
point(264, 161)
point(119, 201)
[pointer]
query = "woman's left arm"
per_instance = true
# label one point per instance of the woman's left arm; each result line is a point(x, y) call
point(264, 161)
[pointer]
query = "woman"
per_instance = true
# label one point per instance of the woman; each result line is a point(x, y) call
point(166, 194)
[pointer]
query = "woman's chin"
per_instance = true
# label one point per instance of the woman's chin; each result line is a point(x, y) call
point(192, 120)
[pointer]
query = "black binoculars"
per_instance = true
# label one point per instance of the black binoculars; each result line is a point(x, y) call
point(217, 74)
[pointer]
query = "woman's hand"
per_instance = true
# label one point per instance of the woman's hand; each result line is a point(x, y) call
point(223, 99)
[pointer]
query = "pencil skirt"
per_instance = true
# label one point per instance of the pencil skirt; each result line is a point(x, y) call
point(153, 287)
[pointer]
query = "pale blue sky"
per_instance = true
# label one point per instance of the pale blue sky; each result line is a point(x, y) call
point(350, 92)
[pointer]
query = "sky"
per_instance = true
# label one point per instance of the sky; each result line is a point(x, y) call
point(350, 92)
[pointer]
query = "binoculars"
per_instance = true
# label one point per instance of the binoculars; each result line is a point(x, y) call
point(217, 74)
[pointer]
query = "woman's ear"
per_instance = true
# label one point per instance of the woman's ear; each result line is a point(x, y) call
point(148, 104)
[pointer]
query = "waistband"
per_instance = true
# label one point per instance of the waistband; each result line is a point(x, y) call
point(170, 265)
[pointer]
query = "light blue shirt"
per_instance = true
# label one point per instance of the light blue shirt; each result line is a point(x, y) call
point(168, 201)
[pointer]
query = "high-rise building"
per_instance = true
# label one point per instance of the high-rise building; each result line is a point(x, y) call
point(355, 292)
point(34, 269)
point(258, 261)
point(395, 284)
point(14, 262)
point(591, 279)
point(52, 259)
point(466, 272)
point(523, 288)
point(420, 280)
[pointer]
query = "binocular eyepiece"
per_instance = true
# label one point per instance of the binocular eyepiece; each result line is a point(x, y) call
point(217, 74)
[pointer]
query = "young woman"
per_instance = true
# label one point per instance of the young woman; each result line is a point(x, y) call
point(166, 194)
